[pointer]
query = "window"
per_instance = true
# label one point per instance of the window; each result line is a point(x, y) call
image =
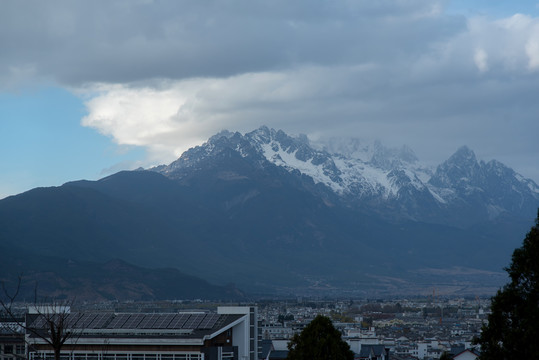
point(228, 355)
point(8, 349)
point(19, 349)
point(38, 356)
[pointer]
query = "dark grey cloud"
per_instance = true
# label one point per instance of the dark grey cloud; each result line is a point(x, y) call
point(74, 42)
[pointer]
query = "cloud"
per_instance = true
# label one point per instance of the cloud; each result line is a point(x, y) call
point(480, 59)
point(77, 42)
point(435, 114)
point(175, 115)
point(532, 49)
point(167, 75)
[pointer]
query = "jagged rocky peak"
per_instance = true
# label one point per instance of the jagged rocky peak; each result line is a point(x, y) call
point(265, 135)
point(496, 168)
point(223, 140)
point(461, 168)
point(464, 155)
point(504, 180)
point(223, 133)
point(279, 141)
point(216, 144)
point(273, 143)
point(261, 135)
point(262, 142)
point(367, 172)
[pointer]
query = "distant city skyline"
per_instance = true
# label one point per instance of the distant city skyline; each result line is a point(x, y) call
point(91, 88)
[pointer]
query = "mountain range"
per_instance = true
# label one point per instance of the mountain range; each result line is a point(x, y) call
point(392, 182)
point(279, 214)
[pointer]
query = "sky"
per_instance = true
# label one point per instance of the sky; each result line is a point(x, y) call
point(89, 88)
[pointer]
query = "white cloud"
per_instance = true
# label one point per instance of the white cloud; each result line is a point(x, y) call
point(138, 116)
point(532, 50)
point(532, 47)
point(480, 59)
point(175, 115)
point(126, 113)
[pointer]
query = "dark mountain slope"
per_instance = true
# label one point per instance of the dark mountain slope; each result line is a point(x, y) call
point(60, 278)
point(227, 212)
point(281, 236)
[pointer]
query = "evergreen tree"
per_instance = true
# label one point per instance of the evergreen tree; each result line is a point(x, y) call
point(319, 341)
point(512, 331)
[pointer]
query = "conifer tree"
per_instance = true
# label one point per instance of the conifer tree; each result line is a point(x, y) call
point(512, 331)
point(319, 341)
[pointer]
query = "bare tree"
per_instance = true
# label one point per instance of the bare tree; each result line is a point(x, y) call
point(46, 322)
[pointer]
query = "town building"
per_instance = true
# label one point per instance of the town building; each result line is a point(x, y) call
point(467, 354)
point(231, 333)
point(12, 345)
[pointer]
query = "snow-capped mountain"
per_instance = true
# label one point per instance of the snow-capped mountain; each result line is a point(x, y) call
point(274, 212)
point(499, 188)
point(461, 190)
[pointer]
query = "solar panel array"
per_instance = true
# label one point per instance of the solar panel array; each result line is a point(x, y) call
point(148, 321)
point(100, 321)
point(209, 321)
point(194, 321)
point(178, 321)
point(39, 322)
point(85, 321)
point(135, 321)
point(163, 321)
point(72, 319)
point(118, 321)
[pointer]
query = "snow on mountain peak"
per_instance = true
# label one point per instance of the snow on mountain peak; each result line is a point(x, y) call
point(360, 170)
point(347, 166)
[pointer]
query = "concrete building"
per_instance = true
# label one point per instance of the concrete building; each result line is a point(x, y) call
point(231, 333)
point(12, 345)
